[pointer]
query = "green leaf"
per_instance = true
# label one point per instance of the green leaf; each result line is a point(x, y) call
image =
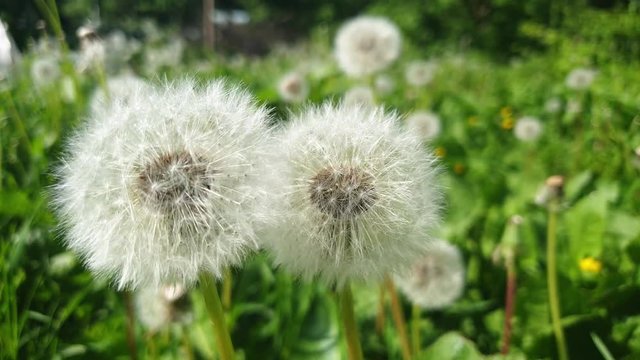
point(14, 203)
point(452, 346)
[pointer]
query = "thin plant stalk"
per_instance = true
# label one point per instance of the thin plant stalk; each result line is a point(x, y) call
point(398, 318)
point(216, 313)
point(552, 280)
point(227, 287)
point(186, 343)
point(415, 329)
point(131, 336)
point(380, 318)
point(349, 322)
point(510, 299)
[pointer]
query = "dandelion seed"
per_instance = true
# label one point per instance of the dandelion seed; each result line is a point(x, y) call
point(293, 88)
point(527, 129)
point(420, 73)
point(580, 78)
point(437, 279)
point(367, 44)
point(167, 185)
point(359, 198)
point(424, 124)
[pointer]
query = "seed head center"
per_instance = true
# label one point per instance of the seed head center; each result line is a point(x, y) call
point(342, 192)
point(174, 180)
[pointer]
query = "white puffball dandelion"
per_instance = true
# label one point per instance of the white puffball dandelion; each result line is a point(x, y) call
point(167, 185)
point(424, 124)
point(527, 129)
point(121, 89)
point(157, 308)
point(384, 84)
point(553, 105)
point(580, 78)
point(359, 96)
point(293, 88)
point(45, 71)
point(420, 73)
point(435, 280)
point(359, 199)
point(367, 44)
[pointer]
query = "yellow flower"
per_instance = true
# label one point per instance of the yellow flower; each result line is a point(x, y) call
point(590, 265)
point(472, 120)
point(507, 123)
point(458, 168)
point(440, 151)
point(507, 118)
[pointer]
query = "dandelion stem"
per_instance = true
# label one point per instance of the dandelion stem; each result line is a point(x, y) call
point(415, 329)
point(214, 307)
point(131, 337)
point(381, 316)
point(227, 286)
point(510, 298)
point(552, 280)
point(398, 318)
point(349, 322)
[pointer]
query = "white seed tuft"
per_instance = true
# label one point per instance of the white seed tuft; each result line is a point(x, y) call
point(359, 198)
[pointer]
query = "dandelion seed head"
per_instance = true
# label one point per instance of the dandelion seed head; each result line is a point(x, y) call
point(359, 195)
point(367, 44)
point(435, 280)
point(166, 185)
point(424, 124)
point(45, 70)
point(293, 88)
point(359, 96)
point(580, 78)
point(420, 73)
point(527, 129)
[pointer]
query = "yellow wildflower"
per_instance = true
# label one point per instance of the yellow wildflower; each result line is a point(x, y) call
point(472, 120)
point(458, 168)
point(507, 123)
point(590, 265)
point(440, 151)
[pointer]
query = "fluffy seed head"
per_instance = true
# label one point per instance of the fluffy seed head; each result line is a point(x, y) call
point(359, 197)
point(420, 73)
point(424, 124)
point(359, 96)
point(293, 88)
point(580, 78)
point(166, 185)
point(367, 44)
point(385, 84)
point(553, 105)
point(45, 71)
point(437, 279)
point(527, 129)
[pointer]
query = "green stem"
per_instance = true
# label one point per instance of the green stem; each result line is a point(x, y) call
point(552, 280)
point(227, 287)
point(349, 322)
point(415, 329)
point(380, 316)
point(214, 307)
point(398, 318)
